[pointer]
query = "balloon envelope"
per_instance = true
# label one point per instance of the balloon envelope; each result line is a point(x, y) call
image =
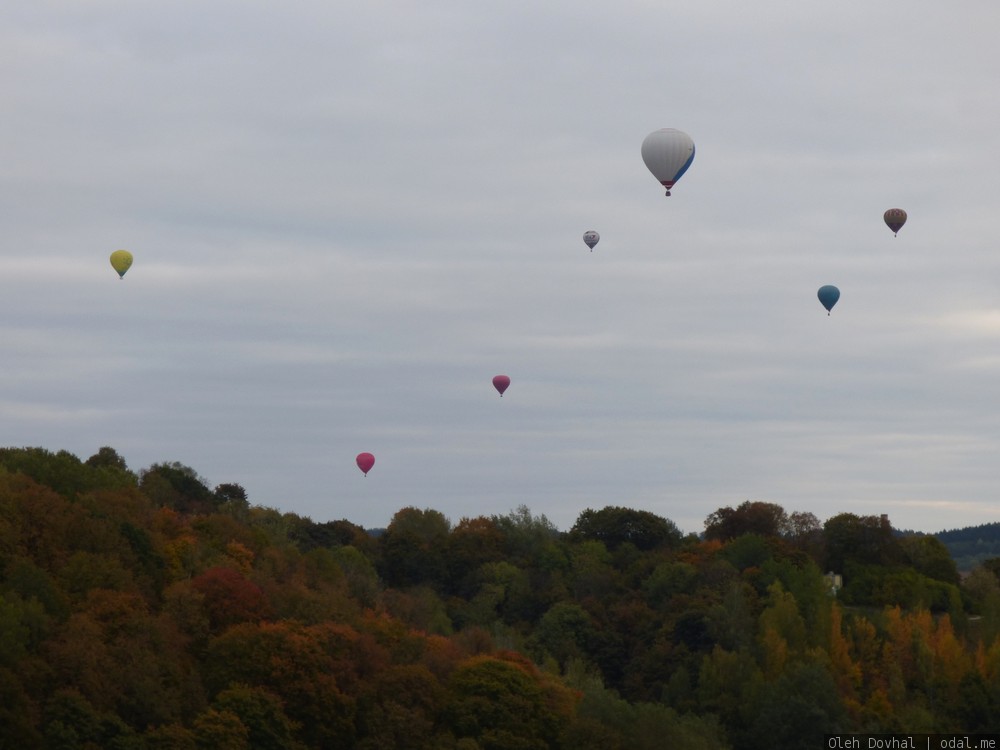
point(365, 462)
point(121, 261)
point(828, 296)
point(668, 153)
point(591, 238)
point(894, 219)
point(500, 382)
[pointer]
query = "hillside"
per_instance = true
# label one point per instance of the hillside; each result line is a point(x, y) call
point(972, 545)
point(147, 610)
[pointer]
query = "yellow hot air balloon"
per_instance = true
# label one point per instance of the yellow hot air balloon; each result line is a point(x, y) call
point(121, 261)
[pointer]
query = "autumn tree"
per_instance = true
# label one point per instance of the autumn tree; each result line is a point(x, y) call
point(295, 663)
point(229, 597)
point(399, 707)
point(505, 704)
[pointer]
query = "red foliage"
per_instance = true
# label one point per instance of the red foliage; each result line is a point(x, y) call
point(230, 598)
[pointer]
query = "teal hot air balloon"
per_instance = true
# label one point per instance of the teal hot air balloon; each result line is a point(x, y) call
point(828, 296)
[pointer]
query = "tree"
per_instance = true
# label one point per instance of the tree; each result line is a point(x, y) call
point(750, 517)
point(527, 536)
point(473, 543)
point(794, 711)
point(305, 666)
point(565, 632)
point(229, 598)
point(221, 730)
point(62, 471)
point(262, 714)
point(930, 557)
point(503, 704)
point(18, 712)
point(859, 539)
point(231, 498)
point(615, 526)
point(413, 548)
point(805, 532)
point(109, 458)
point(177, 486)
point(399, 708)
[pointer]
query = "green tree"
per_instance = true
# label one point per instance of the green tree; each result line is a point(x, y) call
point(221, 730)
point(232, 499)
point(109, 458)
point(177, 486)
point(750, 517)
point(565, 632)
point(504, 705)
point(262, 714)
point(413, 548)
point(473, 542)
point(62, 471)
point(71, 721)
point(930, 557)
point(794, 711)
point(528, 538)
point(615, 526)
point(859, 539)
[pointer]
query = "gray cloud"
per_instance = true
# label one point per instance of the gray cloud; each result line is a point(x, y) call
point(347, 219)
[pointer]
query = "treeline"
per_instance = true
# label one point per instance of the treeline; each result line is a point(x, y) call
point(146, 610)
point(972, 545)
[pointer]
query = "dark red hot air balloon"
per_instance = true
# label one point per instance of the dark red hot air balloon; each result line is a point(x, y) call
point(365, 462)
point(894, 219)
point(500, 382)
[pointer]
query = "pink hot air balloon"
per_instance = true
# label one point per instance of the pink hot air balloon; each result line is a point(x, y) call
point(365, 462)
point(500, 382)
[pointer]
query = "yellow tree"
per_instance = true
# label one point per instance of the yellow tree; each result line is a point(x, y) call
point(782, 631)
point(846, 671)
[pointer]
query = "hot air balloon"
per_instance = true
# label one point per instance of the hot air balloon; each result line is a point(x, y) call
point(591, 238)
point(121, 261)
point(894, 219)
point(500, 382)
point(365, 462)
point(668, 153)
point(828, 296)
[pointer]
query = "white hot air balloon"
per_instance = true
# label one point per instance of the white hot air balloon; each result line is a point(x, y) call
point(668, 153)
point(591, 238)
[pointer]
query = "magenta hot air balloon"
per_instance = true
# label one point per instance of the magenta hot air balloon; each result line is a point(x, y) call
point(894, 219)
point(365, 462)
point(501, 382)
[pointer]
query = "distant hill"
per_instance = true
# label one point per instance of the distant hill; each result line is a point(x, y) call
point(971, 545)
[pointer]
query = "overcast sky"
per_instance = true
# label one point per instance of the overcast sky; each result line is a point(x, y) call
point(348, 217)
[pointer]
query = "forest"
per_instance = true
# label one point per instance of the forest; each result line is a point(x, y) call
point(972, 545)
point(144, 609)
